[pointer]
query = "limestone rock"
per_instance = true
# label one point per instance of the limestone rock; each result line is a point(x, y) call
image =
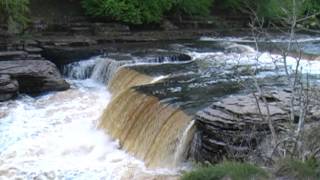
point(61, 55)
point(8, 87)
point(33, 76)
point(234, 126)
point(9, 55)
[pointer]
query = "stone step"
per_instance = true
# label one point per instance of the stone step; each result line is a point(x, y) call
point(34, 57)
point(8, 55)
point(81, 30)
point(33, 50)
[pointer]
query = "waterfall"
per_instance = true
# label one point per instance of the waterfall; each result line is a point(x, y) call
point(104, 70)
point(126, 78)
point(154, 132)
point(148, 129)
point(81, 69)
point(97, 68)
point(186, 140)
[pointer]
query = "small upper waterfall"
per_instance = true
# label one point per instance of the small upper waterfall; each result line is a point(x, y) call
point(82, 69)
point(97, 68)
point(102, 69)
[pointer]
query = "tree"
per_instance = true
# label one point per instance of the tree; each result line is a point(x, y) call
point(14, 13)
point(275, 10)
point(289, 13)
point(144, 11)
point(128, 11)
point(192, 7)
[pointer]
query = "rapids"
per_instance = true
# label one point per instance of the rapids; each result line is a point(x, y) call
point(56, 135)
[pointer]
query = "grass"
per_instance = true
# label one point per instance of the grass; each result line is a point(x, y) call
point(227, 170)
point(299, 170)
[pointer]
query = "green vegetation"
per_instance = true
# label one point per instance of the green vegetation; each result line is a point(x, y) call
point(143, 11)
point(14, 11)
point(153, 11)
point(295, 169)
point(194, 7)
point(275, 9)
point(232, 170)
point(128, 11)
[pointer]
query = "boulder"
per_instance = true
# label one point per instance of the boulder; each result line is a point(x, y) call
point(168, 26)
point(8, 87)
point(32, 76)
point(233, 127)
point(61, 55)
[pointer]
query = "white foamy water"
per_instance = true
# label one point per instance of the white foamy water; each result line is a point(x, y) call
point(258, 60)
point(54, 136)
point(299, 39)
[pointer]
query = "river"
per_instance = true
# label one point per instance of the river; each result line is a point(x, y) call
point(55, 135)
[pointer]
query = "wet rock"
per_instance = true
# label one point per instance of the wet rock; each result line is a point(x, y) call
point(233, 127)
point(8, 87)
point(173, 57)
point(61, 55)
point(33, 50)
point(33, 76)
point(107, 28)
point(4, 79)
point(168, 26)
point(162, 56)
point(9, 55)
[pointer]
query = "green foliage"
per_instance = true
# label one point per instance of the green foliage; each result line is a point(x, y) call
point(15, 11)
point(194, 7)
point(232, 170)
point(128, 11)
point(292, 168)
point(313, 6)
point(287, 8)
point(143, 11)
point(275, 9)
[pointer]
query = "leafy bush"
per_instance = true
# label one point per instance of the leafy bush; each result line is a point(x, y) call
point(312, 6)
point(295, 169)
point(194, 7)
point(128, 11)
point(14, 11)
point(232, 170)
point(143, 11)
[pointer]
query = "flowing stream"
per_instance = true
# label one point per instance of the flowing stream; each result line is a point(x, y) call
point(55, 135)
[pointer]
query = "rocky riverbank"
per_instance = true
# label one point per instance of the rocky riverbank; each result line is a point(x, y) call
point(68, 43)
point(213, 95)
point(29, 76)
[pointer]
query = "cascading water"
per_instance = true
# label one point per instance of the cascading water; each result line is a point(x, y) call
point(97, 68)
point(105, 69)
point(55, 136)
